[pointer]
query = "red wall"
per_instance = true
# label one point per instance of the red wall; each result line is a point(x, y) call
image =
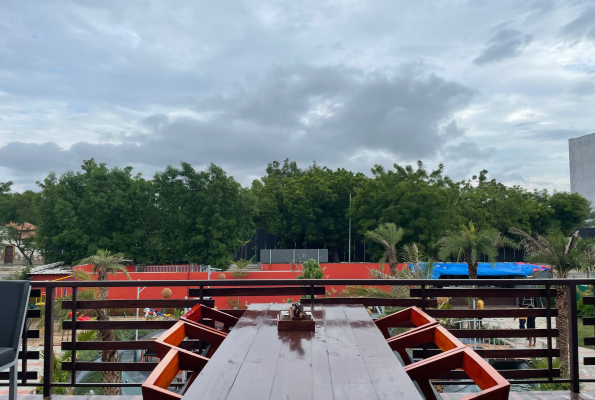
point(270, 271)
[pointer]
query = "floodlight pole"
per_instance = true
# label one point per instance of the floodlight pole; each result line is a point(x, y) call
point(349, 227)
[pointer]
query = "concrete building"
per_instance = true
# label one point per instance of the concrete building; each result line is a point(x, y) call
point(582, 166)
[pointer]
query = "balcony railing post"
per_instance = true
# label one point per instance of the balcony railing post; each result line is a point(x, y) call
point(24, 349)
point(573, 339)
point(73, 336)
point(548, 320)
point(202, 297)
point(423, 307)
point(48, 342)
point(312, 297)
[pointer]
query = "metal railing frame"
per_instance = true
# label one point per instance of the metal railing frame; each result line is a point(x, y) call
point(50, 286)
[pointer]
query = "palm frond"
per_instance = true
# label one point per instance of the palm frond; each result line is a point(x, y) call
point(530, 243)
point(387, 234)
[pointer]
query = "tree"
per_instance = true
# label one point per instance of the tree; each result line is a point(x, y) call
point(570, 210)
point(306, 208)
point(106, 263)
point(201, 216)
point(21, 236)
point(96, 208)
point(387, 235)
point(567, 210)
point(5, 187)
point(564, 254)
point(491, 204)
point(311, 270)
point(471, 245)
point(420, 265)
point(424, 204)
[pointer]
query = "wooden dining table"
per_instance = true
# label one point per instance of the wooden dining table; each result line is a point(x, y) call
point(346, 357)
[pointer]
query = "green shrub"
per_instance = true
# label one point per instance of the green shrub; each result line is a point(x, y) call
point(541, 363)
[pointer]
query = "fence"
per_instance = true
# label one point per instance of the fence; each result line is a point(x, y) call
point(423, 294)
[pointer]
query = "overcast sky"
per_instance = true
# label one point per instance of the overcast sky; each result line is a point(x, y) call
point(474, 84)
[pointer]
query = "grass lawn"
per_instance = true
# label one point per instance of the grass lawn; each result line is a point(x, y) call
point(583, 332)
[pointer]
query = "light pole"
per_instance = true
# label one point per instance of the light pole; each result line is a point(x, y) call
point(349, 228)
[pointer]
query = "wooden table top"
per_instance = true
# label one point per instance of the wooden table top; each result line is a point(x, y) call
point(345, 358)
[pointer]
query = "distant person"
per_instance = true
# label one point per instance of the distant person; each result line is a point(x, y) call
point(522, 320)
point(531, 325)
point(480, 307)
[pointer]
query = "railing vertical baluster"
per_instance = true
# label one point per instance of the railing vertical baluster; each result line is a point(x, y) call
point(423, 307)
point(73, 335)
point(24, 350)
point(548, 318)
point(48, 342)
point(202, 298)
point(311, 297)
point(573, 339)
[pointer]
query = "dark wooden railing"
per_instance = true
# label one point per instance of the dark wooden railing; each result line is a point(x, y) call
point(423, 294)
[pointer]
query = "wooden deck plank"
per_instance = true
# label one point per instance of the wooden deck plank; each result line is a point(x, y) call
point(294, 373)
point(255, 378)
point(216, 379)
point(383, 367)
point(321, 370)
point(349, 375)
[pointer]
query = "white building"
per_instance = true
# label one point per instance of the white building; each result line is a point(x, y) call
point(582, 166)
point(10, 255)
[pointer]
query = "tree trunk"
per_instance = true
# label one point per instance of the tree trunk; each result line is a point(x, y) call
point(472, 266)
point(107, 335)
point(562, 326)
point(28, 258)
point(392, 261)
point(473, 270)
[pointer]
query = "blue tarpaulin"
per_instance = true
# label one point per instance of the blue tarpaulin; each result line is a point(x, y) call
point(484, 269)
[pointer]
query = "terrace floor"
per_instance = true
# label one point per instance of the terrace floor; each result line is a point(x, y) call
point(588, 395)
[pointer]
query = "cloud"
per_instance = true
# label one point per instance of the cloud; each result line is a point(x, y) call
point(347, 84)
point(34, 158)
point(558, 134)
point(307, 113)
point(467, 151)
point(507, 43)
point(584, 88)
point(580, 27)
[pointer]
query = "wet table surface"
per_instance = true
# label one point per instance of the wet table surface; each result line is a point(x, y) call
point(346, 357)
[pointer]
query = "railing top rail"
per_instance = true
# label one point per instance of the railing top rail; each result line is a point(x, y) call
point(317, 282)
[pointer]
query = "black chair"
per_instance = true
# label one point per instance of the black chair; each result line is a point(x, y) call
point(14, 295)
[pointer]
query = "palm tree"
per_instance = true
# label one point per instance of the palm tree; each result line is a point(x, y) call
point(388, 235)
point(563, 254)
point(472, 244)
point(420, 268)
point(420, 265)
point(105, 263)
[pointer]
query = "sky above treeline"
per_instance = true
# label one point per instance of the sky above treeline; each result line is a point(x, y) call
point(475, 84)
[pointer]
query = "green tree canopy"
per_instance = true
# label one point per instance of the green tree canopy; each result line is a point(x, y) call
point(96, 208)
point(307, 208)
point(201, 216)
point(424, 204)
